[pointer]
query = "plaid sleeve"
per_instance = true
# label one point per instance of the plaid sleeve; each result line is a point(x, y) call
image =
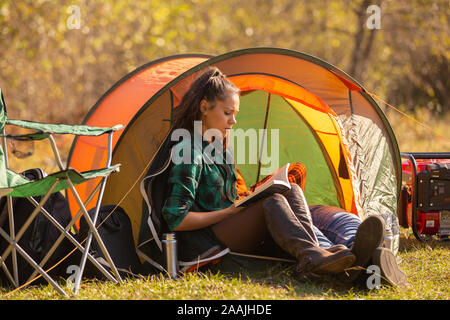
point(241, 186)
point(297, 174)
point(183, 182)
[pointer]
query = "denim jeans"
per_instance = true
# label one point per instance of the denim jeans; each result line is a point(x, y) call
point(333, 225)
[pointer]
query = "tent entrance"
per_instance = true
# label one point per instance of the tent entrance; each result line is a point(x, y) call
point(288, 138)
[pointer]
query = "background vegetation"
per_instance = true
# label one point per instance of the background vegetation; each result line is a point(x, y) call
point(52, 73)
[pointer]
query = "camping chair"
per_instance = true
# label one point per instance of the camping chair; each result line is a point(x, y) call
point(16, 185)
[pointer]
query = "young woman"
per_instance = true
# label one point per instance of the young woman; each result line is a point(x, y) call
point(199, 206)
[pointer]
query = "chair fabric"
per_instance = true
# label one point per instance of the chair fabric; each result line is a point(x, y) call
point(63, 128)
point(19, 186)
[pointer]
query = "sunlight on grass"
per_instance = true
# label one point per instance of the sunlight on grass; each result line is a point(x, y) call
point(426, 265)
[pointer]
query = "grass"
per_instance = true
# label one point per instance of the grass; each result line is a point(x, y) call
point(426, 265)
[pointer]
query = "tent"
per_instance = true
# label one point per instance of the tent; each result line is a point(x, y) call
point(313, 113)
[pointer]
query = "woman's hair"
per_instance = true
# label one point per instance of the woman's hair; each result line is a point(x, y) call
point(211, 85)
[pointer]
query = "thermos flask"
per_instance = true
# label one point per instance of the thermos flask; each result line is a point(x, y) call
point(169, 244)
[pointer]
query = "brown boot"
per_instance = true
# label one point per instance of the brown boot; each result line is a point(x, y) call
point(295, 238)
point(299, 206)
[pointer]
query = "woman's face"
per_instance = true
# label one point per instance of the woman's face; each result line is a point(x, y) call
point(222, 116)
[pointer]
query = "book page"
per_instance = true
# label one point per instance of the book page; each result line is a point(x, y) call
point(279, 176)
point(278, 183)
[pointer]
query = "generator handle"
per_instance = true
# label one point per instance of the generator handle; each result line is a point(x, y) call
point(427, 155)
point(412, 156)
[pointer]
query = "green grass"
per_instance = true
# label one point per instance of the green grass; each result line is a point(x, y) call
point(426, 265)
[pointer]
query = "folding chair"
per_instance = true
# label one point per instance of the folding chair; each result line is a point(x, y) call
point(16, 185)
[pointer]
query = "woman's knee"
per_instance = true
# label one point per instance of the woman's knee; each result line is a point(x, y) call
point(295, 187)
point(276, 199)
point(295, 192)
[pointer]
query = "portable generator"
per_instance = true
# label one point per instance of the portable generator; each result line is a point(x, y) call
point(424, 204)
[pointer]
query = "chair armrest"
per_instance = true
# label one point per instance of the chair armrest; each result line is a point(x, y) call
point(19, 186)
point(80, 130)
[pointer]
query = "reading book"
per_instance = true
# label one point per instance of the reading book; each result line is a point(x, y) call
point(278, 183)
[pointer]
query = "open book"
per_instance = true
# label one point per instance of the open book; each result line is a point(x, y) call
point(278, 183)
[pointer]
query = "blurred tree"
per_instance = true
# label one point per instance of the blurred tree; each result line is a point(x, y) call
point(417, 43)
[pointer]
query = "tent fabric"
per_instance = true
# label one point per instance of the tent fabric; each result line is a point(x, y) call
point(279, 87)
point(119, 105)
point(326, 120)
point(328, 131)
point(295, 137)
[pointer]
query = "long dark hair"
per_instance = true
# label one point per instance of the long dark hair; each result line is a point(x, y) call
point(211, 85)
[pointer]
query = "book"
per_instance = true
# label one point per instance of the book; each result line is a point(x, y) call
point(277, 183)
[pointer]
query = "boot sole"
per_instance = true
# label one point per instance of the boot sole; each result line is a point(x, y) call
point(390, 272)
point(370, 236)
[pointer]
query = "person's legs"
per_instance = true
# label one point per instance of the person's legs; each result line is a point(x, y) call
point(335, 224)
point(297, 238)
point(299, 206)
point(323, 241)
point(245, 231)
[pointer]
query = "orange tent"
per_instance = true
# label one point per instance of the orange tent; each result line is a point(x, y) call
point(324, 118)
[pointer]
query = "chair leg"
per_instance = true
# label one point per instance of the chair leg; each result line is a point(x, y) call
point(10, 215)
point(8, 274)
point(16, 237)
point(12, 233)
point(39, 268)
point(27, 223)
point(32, 262)
point(65, 234)
point(93, 232)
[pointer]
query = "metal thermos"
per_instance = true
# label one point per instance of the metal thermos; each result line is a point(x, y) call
point(169, 244)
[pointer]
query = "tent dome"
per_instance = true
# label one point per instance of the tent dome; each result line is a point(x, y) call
point(322, 116)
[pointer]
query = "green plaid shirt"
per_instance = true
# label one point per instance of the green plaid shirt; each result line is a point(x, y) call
point(201, 185)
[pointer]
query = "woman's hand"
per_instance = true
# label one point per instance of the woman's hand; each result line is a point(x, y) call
point(232, 210)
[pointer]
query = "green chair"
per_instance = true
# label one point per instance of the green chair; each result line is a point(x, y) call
point(15, 185)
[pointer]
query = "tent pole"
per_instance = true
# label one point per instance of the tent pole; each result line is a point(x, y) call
point(263, 137)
